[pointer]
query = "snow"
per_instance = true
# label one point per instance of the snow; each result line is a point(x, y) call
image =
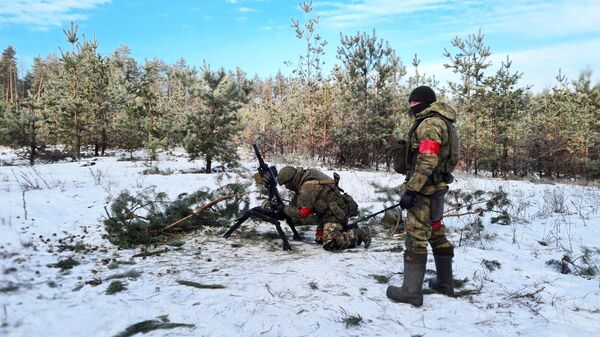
point(270, 292)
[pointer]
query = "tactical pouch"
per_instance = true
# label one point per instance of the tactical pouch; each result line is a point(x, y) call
point(437, 177)
point(337, 211)
point(399, 156)
point(351, 205)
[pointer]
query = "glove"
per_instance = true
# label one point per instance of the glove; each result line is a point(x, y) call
point(408, 199)
point(258, 179)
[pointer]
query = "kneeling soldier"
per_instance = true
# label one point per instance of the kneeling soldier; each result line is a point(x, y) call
point(318, 194)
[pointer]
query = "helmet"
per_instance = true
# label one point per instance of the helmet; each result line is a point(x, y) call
point(286, 174)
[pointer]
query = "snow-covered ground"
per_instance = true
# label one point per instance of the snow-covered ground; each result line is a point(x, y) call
point(270, 292)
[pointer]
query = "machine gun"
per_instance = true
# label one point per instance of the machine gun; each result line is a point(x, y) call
point(273, 212)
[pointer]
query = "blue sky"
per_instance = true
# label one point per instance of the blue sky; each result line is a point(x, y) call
point(539, 36)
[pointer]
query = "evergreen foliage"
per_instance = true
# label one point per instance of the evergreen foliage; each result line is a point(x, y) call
point(142, 218)
point(150, 325)
point(81, 100)
point(369, 80)
point(460, 203)
point(213, 122)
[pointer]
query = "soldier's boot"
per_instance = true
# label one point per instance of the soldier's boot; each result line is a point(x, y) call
point(443, 282)
point(363, 234)
point(411, 291)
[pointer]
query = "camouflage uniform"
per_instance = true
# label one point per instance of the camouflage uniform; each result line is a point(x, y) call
point(431, 154)
point(423, 223)
point(317, 194)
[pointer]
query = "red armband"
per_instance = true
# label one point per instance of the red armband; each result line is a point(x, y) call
point(429, 146)
point(304, 212)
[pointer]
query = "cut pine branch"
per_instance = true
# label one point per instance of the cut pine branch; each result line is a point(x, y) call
point(200, 210)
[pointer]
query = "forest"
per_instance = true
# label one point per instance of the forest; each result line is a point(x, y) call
point(76, 102)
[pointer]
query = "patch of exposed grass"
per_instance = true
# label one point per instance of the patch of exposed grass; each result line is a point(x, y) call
point(383, 279)
point(151, 253)
point(156, 170)
point(271, 235)
point(200, 285)
point(394, 249)
point(117, 263)
point(130, 274)
point(65, 264)
point(77, 248)
point(9, 288)
point(151, 325)
point(458, 283)
point(352, 320)
point(115, 287)
point(246, 232)
point(130, 159)
point(491, 265)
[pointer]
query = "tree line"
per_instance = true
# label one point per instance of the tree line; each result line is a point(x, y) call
point(79, 99)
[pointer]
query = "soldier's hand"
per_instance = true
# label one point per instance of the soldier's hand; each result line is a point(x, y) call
point(259, 180)
point(408, 199)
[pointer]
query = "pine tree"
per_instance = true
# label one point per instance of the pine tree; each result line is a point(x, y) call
point(127, 130)
point(469, 62)
point(212, 121)
point(585, 138)
point(19, 122)
point(369, 80)
point(180, 83)
point(65, 95)
point(9, 75)
point(94, 92)
point(310, 76)
point(504, 104)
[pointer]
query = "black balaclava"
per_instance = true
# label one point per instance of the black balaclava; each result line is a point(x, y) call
point(423, 94)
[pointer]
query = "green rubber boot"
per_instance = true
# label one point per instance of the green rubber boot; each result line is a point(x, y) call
point(411, 291)
point(443, 282)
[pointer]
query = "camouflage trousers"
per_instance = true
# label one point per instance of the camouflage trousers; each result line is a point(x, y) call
point(427, 211)
point(335, 237)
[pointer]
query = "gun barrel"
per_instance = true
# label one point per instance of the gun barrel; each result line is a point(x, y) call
point(354, 223)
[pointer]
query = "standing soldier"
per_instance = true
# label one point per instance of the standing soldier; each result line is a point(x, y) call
point(431, 155)
point(317, 194)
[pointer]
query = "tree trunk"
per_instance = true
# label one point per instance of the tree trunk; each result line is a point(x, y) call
point(32, 144)
point(207, 169)
point(104, 140)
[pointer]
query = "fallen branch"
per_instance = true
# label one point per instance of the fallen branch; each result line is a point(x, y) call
point(200, 210)
point(200, 285)
point(458, 215)
point(150, 325)
point(156, 252)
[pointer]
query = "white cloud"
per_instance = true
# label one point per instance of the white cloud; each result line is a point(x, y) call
point(454, 17)
point(344, 15)
point(534, 19)
point(246, 10)
point(538, 65)
point(42, 14)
